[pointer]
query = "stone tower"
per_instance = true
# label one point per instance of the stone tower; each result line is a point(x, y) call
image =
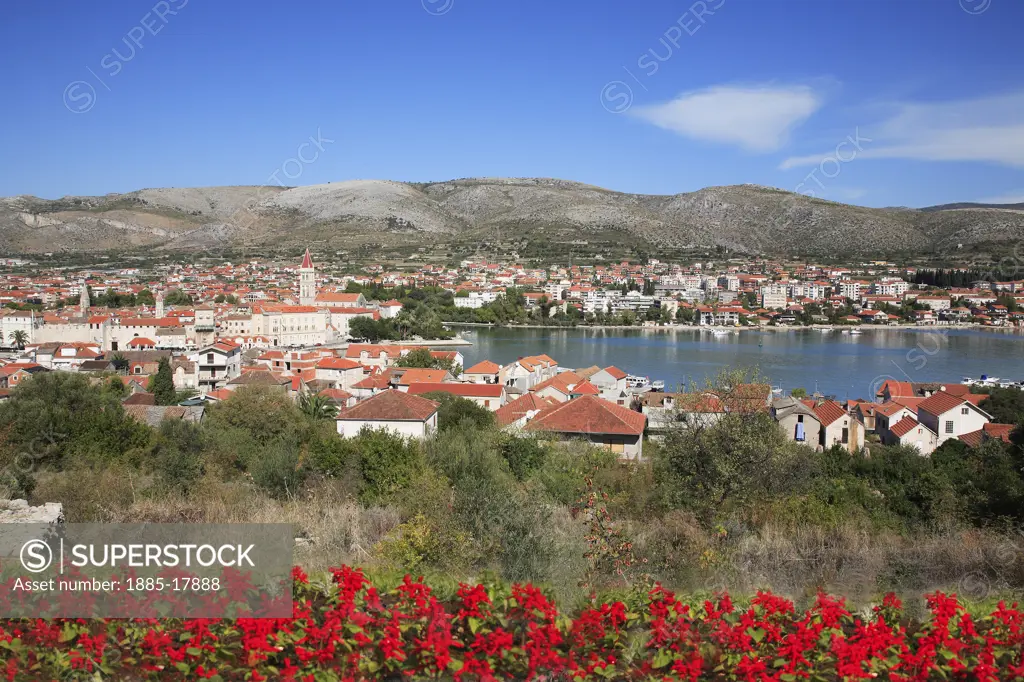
point(160, 303)
point(307, 281)
point(83, 299)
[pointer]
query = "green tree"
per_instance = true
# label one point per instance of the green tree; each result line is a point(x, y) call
point(161, 384)
point(1006, 405)
point(799, 392)
point(177, 297)
point(19, 338)
point(61, 418)
point(453, 410)
point(317, 407)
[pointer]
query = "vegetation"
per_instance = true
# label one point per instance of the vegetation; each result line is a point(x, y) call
point(725, 502)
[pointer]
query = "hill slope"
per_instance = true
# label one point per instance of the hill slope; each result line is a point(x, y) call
point(745, 218)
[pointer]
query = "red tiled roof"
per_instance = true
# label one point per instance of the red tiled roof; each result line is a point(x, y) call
point(307, 260)
point(390, 406)
point(615, 372)
point(940, 402)
point(561, 381)
point(336, 363)
point(463, 390)
point(484, 367)
point(829, 411)
point(334, 297)
point(903, 427)
point(338, 394)
point(417, 375)
point(897, 389)
point(585, 388)
point(972, 439)
point(1000, 431)
point(517, 409)
point(589, 415)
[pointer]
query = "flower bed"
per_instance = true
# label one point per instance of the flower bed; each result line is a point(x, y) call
point(348, 630)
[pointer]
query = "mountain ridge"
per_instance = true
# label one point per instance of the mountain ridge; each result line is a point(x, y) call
point(747, 218)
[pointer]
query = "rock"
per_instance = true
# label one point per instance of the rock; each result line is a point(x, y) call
point(19, 511)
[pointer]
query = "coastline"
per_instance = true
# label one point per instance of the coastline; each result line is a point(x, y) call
point(683, 327)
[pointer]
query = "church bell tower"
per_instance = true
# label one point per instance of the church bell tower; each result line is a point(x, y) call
point(307, 281)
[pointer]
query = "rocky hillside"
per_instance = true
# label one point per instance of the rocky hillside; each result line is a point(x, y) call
point(745, 218)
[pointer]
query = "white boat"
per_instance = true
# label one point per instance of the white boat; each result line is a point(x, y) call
point(633, 381)
point(721, 332)
point(777, 390)
point(856, 331)
point(658, 385)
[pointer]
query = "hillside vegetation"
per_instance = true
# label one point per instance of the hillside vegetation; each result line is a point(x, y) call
point(743, 218)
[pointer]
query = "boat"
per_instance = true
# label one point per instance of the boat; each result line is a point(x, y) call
point(633, 381)
point(777, 390)
point(657, 385)
point(721, 332)
point(985, 380)
point(855, 331)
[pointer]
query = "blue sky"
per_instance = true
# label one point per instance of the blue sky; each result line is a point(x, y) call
point(875, 102)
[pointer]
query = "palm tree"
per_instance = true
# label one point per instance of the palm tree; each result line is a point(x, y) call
point(316, 406)
point(19, 338)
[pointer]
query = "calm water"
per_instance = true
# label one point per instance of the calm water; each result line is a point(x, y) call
point(843, 365)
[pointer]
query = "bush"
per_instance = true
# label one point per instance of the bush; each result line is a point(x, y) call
point(524, 455)
point(178, 454)
point(387, 463)
point(278, 470)
point(454, 410)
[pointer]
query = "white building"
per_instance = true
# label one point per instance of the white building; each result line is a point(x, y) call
point(400, 413)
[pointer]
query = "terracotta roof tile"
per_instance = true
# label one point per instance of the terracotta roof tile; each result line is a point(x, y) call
point(903, 427)
point(589, 415)
point(463, 390)
point(518, 408)
point(390, 406)
point(940, 402)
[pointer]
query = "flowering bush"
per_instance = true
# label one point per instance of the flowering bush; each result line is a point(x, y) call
point(348, 629)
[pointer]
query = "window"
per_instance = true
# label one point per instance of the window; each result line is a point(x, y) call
point(964, 410)
point(846, 435)
point(209, 358)
point(799, 419)
point(949, 427)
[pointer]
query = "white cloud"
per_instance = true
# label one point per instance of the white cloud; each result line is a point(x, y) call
point(989, 130)
point(755, 118)
point(1008, 198)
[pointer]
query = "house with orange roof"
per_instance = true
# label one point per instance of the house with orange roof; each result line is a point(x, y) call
point(908, 431)
point(483, 372)
point(951, 416)
point(418, 375)
point(838, 427)
point(596, 421)
point(515, 414)
point(527, 372)
point(217, 365)
point(611, 379)
point(559, 387)
point(401, 413)
point(341, 373)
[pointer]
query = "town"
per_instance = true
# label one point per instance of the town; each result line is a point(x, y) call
point(347, 341)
